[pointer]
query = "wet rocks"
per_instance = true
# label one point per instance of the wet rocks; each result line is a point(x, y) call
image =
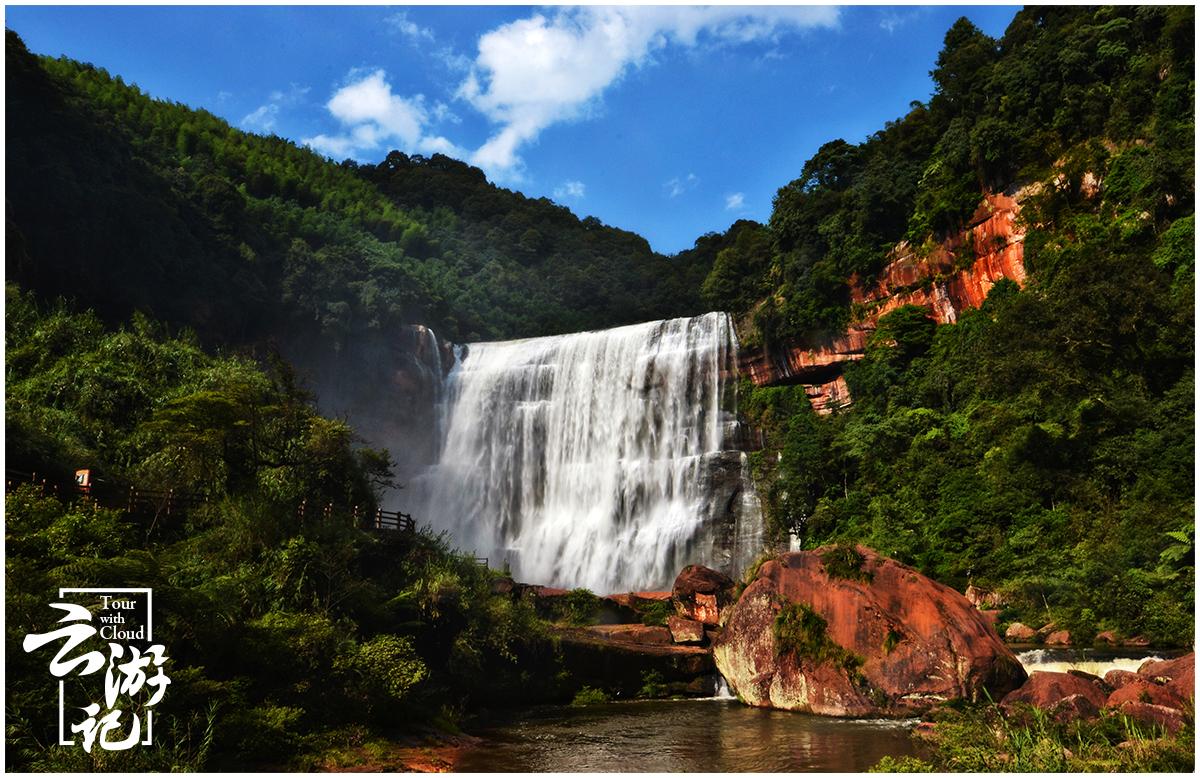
point(879, 639)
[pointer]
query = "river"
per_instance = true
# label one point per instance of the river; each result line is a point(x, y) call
point(713, 735)
point(721, 734)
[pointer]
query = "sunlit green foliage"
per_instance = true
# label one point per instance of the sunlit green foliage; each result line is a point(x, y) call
point(1103, 92)
point(983, 739)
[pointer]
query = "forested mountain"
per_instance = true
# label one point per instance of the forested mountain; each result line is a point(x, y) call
point(1043, 444)
point(1065, 92)
point(175, 213)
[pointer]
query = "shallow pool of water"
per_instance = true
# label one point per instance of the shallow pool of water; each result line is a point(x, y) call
point(687, 735)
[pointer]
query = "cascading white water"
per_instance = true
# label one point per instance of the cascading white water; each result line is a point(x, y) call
point(596, 459)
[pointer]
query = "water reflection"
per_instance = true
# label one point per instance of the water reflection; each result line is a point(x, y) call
point(692, 736)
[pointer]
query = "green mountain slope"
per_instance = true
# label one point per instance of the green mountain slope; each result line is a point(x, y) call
point(1043, 444)
point(128, 203)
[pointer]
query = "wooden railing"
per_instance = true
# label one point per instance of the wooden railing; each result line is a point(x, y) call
point(137, 501)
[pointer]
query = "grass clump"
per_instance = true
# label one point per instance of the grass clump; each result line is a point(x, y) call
point(983, 739)
point(801, 631)
point(845, 561)
point(901, 764)
point(589, 695)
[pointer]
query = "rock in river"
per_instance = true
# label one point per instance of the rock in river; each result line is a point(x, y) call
point(842, 631)
point(702, 594)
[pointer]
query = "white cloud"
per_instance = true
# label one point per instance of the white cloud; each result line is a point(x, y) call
point(573, 189)
point(735, 201)
point(892, 20)
point(262, 118)
point(677, 186)
point(373, 116)
point(400, 23)
point(536, 72)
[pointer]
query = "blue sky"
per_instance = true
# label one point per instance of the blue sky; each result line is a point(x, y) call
point(668, 121)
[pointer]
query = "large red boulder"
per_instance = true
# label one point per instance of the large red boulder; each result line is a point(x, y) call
point(702, 594)
point(1047, 690)
point(885, 641)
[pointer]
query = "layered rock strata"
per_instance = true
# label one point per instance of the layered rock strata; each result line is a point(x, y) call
point(946, 279)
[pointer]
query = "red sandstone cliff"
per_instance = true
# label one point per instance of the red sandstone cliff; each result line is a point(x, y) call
point(954, 276)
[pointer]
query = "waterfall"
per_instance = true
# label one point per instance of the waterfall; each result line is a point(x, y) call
point(597, 459)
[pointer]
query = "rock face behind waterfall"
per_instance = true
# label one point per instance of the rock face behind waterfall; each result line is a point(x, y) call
point(885, 641)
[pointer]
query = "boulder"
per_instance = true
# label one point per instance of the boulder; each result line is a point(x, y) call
point(1019, 633)
point(702, 594)
point(1180, 672)
point(1094, 680)
point(1074, 708)
point(1059, 638)
point(1169, 668)
point(1046, 690)
point(1142, 690)
point(1154, 715)
point(992, 617)
point(983, 599)
point(1046, 629)
point(685, 630)
point(503, 585)
point(1107, 637)
point(885, 642)
point(1136, 642)
point(1118, 678)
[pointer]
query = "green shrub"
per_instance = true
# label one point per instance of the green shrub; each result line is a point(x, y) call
point(590, 696)
point(845, 561)
point(801, 631)
point(580, 606)
point(654, 686)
